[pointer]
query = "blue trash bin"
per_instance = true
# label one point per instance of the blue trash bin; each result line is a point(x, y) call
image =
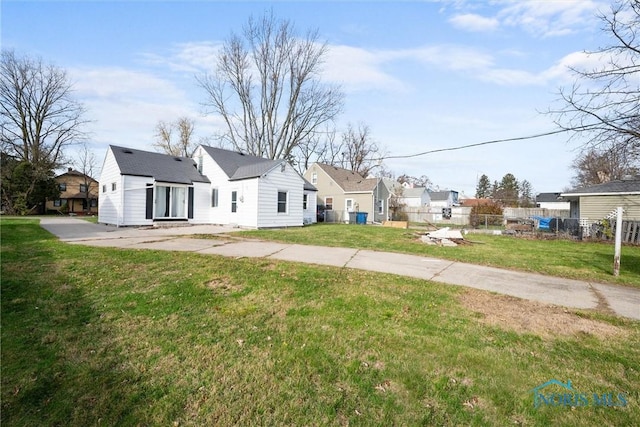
point(361, 217)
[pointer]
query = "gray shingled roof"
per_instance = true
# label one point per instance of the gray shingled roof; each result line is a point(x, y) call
point(349, 180)
point(239, 165)
point(309, 186)
point(623, 186)
point(413, 192)
point(439, 195)
point(161, 167)
point(548, 197)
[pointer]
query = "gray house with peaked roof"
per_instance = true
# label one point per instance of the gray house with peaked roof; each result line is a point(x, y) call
point(341, 191)
point(595, 202)
point(215, 187)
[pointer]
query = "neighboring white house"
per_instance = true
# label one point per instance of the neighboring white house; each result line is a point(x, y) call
point(215, 187)
point(551, 201)
point(415, 197)
point(443, 199)
point(309, 203)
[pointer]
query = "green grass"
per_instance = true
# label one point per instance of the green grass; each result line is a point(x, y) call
point(590, 261)
point(123, 337)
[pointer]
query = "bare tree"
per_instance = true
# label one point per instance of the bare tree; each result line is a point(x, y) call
point(599, 166)
point(39, 116)
point(86, 164)
point(359, 152)
point(422, 181)
point(266, 88)
point(356, 151)
point(602, 105)
point(184, 146)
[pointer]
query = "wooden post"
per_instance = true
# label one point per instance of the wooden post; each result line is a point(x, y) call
point(618, 244)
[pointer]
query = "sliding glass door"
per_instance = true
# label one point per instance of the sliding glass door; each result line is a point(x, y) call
point(170, 202)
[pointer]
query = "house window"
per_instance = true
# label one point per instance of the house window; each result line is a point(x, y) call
point(104, 188)
point(328, 203)
point(171, 202)
point(282, 202)
point(305, 198)
point(200, 163)
point(380, 206)
point(234, 201)
point(57, 203)
point(214, 197)
point(94, 203)
point(314, 178)
point(113, 186)
point(62, 186)
point(83, 188)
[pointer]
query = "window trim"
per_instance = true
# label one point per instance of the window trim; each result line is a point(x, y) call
point(234, 202)
point(283, 206)
point(214, 197)
point(86, 188)
point(62, 186)
point(314, 178)
point(305, 201)
point(113, 186)
point(326, 205)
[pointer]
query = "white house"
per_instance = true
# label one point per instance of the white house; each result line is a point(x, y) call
point(215, 187)
point(551, 201)
point(140, 187)
point(415, 197)
point(444, 199)
point(251, 191)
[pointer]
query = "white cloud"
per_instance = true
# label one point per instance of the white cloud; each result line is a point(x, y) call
point(474, 23)
point(549, 18)
point(359, 69)
point(193, 57)
point(124, 105)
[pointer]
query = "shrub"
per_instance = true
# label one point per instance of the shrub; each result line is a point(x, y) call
point(490, 214)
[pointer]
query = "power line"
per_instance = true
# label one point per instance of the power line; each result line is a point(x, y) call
point(461, 147)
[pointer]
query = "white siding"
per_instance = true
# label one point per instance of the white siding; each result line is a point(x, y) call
point(135, 200)
point(109, 205)
point(201, 203)
point(310, 215)
point(275, 181)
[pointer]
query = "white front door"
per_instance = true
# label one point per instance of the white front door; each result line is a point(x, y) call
point(348, 205)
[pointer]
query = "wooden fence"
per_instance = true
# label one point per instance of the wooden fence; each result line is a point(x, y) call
point(630, 232)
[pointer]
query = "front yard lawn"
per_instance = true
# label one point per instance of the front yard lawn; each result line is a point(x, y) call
point(589, 261)
point(103, 336)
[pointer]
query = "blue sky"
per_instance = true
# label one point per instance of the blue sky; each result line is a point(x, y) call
point(423, 75)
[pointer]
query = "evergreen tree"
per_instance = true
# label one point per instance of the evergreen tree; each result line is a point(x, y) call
point(483, 189)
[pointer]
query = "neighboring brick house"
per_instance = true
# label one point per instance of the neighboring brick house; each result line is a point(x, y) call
point(78, 194)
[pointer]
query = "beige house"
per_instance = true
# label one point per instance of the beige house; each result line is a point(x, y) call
point(341, 191)
point(597, 202)
point(78, 194)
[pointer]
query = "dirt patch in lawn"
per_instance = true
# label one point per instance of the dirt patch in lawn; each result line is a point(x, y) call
point(526, 316)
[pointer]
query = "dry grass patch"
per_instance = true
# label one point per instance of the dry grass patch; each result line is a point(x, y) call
point(524, 316)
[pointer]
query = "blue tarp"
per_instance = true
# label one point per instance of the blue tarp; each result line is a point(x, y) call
point(543, 223)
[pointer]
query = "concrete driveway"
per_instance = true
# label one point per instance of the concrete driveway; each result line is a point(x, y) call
point(619, 300)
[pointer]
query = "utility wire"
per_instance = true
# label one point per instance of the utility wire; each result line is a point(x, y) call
point(461, 147)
